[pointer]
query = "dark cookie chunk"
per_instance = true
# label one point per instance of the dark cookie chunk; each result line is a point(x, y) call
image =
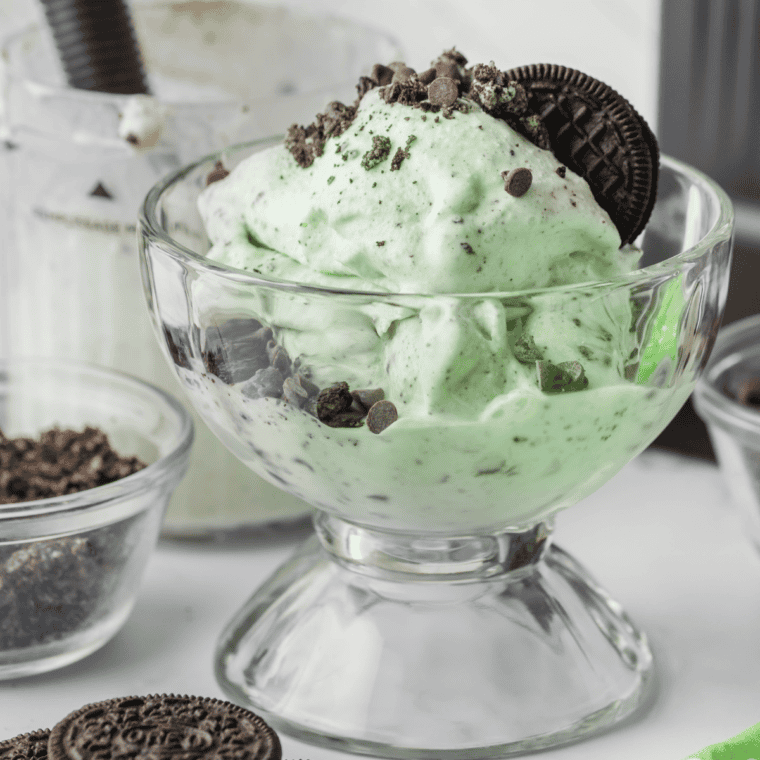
point(333, 401)
point(31, 746)
point(561, 378)
point(179, 349)
point(562, 171)
point(517, 182)
point(217, 173)
point(265, 382)
point(525, 350)
point(60, 462)
point(599, 135)
point(305, 382)
point(293, 392)
point(381, 147)
point(381, 415)
point(452, 55)
point(278, 358)
point(443, 92)
point(163, 726)
point(366, 398)
point(499, 97)
point(235, 349)
point(352, 418)
point(306, 143)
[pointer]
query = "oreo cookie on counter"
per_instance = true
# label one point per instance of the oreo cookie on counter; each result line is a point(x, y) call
point(598, 134)
point(31, 746)
point(163, 727)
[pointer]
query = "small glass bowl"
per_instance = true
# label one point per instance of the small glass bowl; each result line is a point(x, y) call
point(734, 427)
point(70, 566)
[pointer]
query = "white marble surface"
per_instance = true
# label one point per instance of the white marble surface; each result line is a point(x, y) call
point(661, 536)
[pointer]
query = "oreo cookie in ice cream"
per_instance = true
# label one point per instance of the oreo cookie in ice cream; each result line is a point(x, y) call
point(599, 135)
point(163, 727)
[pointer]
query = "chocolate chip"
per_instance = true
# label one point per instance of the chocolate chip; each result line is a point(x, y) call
point(748, 392)
point(403, 75)
point(381, 74)
point(333, 400)
point(381, 415)
point(443, 91)
point(562, 171)
point(311, 388)
point(217, 173)
point(278, 358)
point(367, 398)
point(447, 68)
point(518, 181)
point(293, 393)
point(426, 77)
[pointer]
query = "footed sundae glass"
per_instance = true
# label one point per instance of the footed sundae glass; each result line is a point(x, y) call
point(431, 615)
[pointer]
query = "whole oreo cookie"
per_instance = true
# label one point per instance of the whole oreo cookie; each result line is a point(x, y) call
point(600, 136)
point(163, 727)
point(31, 746)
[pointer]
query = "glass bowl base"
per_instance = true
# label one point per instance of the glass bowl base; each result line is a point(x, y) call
point(341, 653)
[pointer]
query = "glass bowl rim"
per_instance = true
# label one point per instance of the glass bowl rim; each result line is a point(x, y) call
point(103, 496)
point(148, 224)
point(46, 89)
point(714, 405)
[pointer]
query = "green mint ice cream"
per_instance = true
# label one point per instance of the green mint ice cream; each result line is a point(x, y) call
point(437, 221)
point(510, 404)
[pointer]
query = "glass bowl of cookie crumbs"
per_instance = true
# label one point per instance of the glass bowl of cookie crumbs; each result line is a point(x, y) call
point(88, 460)
point(727, 398)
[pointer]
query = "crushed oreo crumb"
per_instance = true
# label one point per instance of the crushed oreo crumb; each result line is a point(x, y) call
point(58, 463)
point(333, 401)
point(216, 174)
point(306, 143)
point(468, 248)
point(562, 171)
point(380, 243)
point(561, 378)
point(381, 147)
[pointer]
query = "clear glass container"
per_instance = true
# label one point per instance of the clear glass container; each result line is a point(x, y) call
point(432, 615)
point(71, 566)
point(79, 164)
point(734, 427)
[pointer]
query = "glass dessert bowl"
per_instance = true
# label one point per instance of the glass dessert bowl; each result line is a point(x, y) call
point(431, 615)
point(71, 565)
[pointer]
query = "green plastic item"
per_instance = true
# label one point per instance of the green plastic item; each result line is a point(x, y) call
point(664, 341)
point(744, 746)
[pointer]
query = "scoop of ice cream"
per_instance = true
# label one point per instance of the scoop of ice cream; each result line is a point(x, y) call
point(415, 202)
